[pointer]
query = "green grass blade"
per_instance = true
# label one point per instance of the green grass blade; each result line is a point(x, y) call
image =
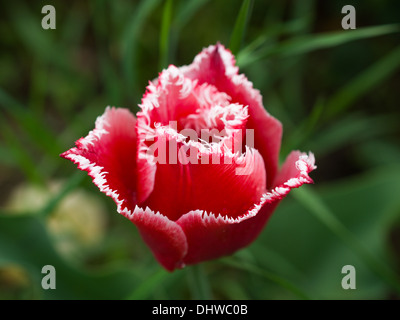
point(187, 11)
point(267, 38)
point(305, 129)
point(304, 10)
point(363, 83)
point(42, 45)
point(352, 129)
point(18, 152)
point(109, 76)
point(147, 286)
point(184, 13)
point(129, 41)
point(309, 43)
point(275, 261)
point(307, 198)
point(240, 26)
point(30, 123)
point(69, 186)
point(198, 283)
point(267, 275)
point(165, 34)
point(302, 45)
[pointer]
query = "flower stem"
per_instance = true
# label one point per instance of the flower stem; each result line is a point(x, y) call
point(198, 283)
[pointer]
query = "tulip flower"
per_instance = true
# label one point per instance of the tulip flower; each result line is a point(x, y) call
point(197, 169)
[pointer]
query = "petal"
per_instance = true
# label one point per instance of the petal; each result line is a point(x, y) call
point(216, 65)
point(108, 154)
point(175, 97)
point(267, 139)
point(211, 178)
point(164, 237)
point(169, 101)
point(295, 170)
point(210, 236)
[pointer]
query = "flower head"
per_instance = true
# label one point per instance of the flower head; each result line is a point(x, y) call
point(197, 170)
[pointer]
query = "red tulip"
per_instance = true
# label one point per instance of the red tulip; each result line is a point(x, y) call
point(197, 170)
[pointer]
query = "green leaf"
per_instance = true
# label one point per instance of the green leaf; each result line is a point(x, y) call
point(244, 265)
point(352, 129)
point(72, 183)
point(305, 129)
point(377, 152)
point(316, 206)
point(144, 290)
point(198, 283)
point(165, 34)
point(42, 45)
point(363, 83)
point(340, 223)
point(240, 26)
point(267, 38)
point(24, 241)
point(185, 12)
point(308, 43)
point(129, 41)
point(32, 125)
point(302, 45)
point(109, 76)
point(18, 151)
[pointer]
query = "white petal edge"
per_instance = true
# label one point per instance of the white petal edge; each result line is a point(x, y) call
point(304, 165)
point(93, 170)
point(231, 70)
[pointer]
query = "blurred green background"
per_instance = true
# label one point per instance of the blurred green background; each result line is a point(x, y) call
point(335, 91)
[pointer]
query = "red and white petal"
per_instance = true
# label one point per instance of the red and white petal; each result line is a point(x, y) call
point(162, 103)
point(211, 65)
point(204, 177)
point(267, 139)
point(216, 65)
point(295, 170)
point(165, 238)
point(108, 154)
point(175, 97)
point(229, 188)
point(174, 100)
point(210, 236)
